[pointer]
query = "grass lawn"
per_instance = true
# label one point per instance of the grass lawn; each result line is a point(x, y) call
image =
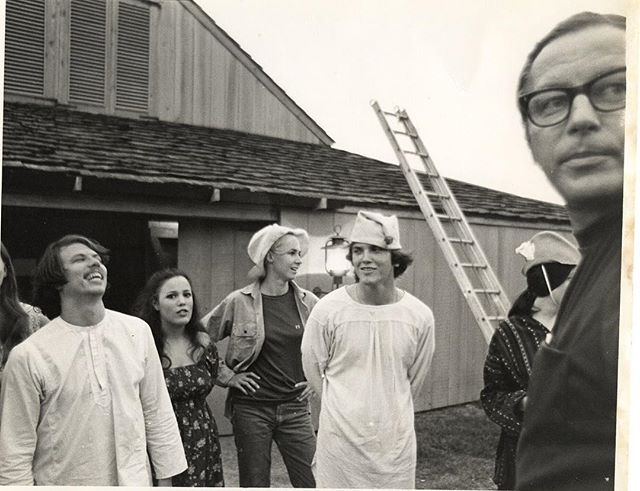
point(456, 448)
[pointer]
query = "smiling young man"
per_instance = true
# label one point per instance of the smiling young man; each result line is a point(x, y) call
point(572, 100)
point(268, 397)
point(366, 349)
point(83, 400)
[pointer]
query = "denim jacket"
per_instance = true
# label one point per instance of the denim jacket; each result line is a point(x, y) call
point(239, 317)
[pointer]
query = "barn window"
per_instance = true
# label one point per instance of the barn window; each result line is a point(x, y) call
point(24, 47)
point(132, 63)
point(87, 56)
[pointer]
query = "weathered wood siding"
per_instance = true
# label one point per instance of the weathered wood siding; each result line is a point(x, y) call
point(196, 80)
point(197, 74)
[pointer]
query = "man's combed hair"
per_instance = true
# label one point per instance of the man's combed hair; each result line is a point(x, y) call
point(49, 276)
point(399, 259)
point(575, 23)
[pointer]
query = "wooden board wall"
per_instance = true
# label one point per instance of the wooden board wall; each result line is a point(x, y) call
point(196, 80)
point(197, 75)
point(214, 255)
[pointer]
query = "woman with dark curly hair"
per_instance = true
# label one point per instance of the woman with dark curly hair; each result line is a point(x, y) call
point(190, 363)
point(17, 320)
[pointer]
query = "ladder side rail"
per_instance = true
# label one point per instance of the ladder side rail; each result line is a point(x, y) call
point(423, 202)
point(430, 215)
point(453, 203)
point(463, 281)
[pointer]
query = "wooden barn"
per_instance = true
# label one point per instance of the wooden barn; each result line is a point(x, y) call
point(143, 124)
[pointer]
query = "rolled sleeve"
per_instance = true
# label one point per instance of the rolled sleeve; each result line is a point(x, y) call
point(218, 324)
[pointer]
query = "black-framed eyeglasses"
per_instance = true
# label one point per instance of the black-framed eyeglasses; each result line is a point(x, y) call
point(549, 107)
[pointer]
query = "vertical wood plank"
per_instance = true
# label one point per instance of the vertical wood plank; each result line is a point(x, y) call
point(51, 19)
point(111, 48)
point(62, 50)
point(154, 58)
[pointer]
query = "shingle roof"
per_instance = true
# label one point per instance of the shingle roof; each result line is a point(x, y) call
point(50, 139)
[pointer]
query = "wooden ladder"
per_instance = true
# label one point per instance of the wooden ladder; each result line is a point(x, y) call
point(463, 253)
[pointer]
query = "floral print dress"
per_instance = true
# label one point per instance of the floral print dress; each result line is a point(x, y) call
point(188, 387)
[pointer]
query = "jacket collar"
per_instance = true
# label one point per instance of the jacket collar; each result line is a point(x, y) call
point(253, 290)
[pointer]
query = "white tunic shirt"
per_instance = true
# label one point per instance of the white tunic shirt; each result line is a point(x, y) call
point(82, 405)
point(366, 361)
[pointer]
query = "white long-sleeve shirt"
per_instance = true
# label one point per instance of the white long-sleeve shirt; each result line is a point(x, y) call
point(83, 405)
point(366, 361)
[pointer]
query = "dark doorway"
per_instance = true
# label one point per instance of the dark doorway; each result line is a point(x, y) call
point(27, 231)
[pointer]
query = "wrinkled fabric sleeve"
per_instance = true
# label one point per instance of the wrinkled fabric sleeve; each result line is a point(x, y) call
point(500, 396)
point(315, 348)
point(426, 344)
point(163, 437)
point(19, 414)
point(218, 324)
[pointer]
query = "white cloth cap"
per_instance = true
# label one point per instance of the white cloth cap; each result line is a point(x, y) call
point(547, 247)
point(264, 239)
point(376, 229)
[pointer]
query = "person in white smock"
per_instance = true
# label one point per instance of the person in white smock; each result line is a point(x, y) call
point(366, 350)
point(83, 400)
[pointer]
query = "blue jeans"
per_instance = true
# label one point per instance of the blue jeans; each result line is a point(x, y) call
point(289, 424)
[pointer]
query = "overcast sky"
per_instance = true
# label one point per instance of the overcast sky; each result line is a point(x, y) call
point(452, 65)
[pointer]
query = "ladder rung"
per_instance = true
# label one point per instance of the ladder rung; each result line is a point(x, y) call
point(430, 175)
point(419, 154)
point(486, 291)
point(448, 218)
point(405, 133)
point(442, 213)
point(436, 195)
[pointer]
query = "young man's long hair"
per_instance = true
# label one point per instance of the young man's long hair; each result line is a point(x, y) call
point(14, 326)
point(399, 259)
point(50, 277)
point(145, 309)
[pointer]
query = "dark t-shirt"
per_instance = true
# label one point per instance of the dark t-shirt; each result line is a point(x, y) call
point(279, 363)
point(568, 436)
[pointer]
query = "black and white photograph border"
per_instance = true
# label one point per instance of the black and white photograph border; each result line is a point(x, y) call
point(288, 83)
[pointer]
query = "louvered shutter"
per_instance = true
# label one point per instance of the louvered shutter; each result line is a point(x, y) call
point(132, 63)
point(87, 62)
point(24, 47)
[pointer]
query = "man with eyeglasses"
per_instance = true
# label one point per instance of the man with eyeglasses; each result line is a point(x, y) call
point(572, 100)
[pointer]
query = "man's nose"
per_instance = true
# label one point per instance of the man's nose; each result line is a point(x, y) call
point(583, 116)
